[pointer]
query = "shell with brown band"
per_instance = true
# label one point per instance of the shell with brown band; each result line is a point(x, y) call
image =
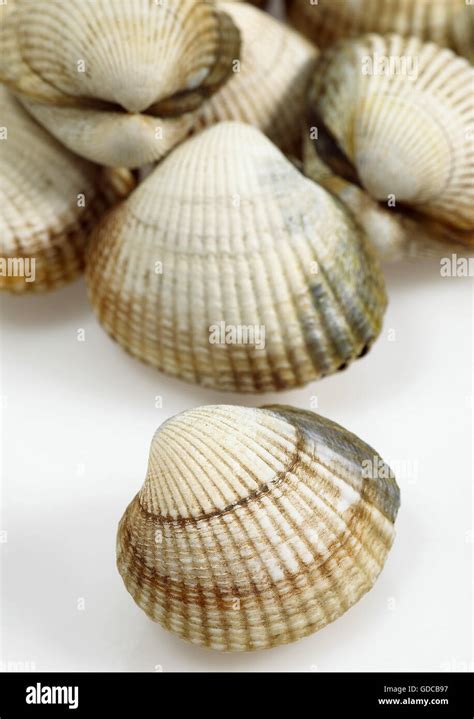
point(389, 132)
point(448, 23)
point(49, 202)
point(228, 268)
point(255, 527)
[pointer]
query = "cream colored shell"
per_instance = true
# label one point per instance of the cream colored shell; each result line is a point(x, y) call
point(266, 87)
point(105, 76)
point(49, 202)
point(255, 527)
point(268, 90)
point(448, 23)
point(228, 268)
point(394, 120)
point(136, 55)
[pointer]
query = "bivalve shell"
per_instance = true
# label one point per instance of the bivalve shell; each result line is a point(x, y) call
point(255, 527)
point(138, 56)
point(118, 115)
point(106, 76)
point(49, 202)
point(228, 268)
point(390, 123)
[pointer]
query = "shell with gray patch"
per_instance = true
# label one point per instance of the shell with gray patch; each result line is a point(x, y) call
point(255, 527)
point(228, 268)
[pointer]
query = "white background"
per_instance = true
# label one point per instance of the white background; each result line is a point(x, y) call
point(76, 431)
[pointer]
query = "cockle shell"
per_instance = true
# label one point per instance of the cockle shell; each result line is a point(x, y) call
point(255, 527)
point(266, 84)
point(49, 202)
point(137, 56)
point(226, 234)
point(390, 123)
point(100, 75)
point(449, 23)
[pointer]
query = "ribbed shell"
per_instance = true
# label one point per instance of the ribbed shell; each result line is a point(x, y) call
point(129, 54)
point(255, 527)
point(104, 76)
point(267, 89)
point(406, 134)
point(43, 190)
point(243, 239)
point(448, 23)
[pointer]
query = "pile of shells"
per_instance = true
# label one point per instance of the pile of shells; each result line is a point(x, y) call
point(122, 83)
point(216, 172)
